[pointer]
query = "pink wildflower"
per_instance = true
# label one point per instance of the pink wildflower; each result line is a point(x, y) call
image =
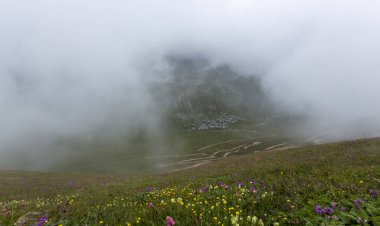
point(170, 221)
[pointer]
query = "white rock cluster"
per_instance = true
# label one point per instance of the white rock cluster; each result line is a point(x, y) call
point(222, 121)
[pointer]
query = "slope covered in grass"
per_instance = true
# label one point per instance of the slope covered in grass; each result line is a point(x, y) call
point(335, 184)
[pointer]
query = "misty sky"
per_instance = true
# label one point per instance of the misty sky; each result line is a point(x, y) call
point(69, 68)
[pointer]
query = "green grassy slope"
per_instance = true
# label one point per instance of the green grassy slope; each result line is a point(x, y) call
point(279, 187)
point(175, 151)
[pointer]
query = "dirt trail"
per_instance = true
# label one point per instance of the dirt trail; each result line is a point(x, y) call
point(253, 144)
point(173, 156)
point(212, 152)
point(275, 146)
point(211, 145)
point(214, 156)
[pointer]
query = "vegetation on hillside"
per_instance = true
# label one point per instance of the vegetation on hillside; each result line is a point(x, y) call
point(332, 184)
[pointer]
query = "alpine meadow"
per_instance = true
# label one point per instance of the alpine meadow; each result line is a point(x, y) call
point(202, 112)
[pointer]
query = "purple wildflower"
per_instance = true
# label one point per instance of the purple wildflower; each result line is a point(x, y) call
point(252, 189)
point(205, 189)
point(328, 211)
point(324, 211)
point(374, 193)
point(8, 214)
point(220, 184)
point(227, 187)
point(358, 203)
point(334, 205)
point(318, 209)
point(42, 221)
point(240, 184)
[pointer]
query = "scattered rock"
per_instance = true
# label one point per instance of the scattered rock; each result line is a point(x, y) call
point(222, 121)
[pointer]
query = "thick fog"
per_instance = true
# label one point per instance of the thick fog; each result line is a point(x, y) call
point(81, 69)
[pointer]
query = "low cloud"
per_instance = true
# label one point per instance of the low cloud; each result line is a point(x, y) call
point(82, 69)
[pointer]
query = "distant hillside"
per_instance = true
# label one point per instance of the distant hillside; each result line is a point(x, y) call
point(197, 91)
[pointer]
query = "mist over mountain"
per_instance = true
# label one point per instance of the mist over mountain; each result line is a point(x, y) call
point(89, 78)
point(194, 89)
